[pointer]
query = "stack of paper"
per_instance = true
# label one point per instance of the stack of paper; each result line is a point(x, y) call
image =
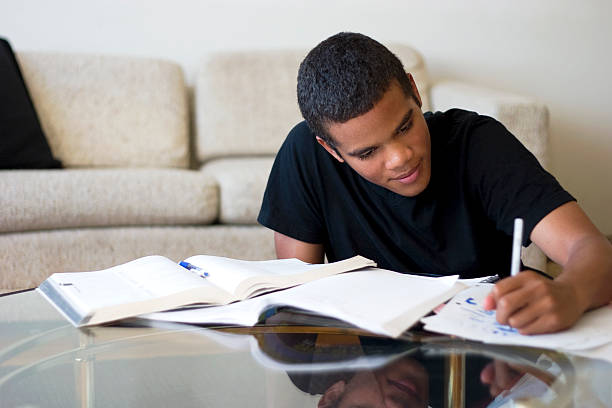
point(377, 300)
point(464, 316)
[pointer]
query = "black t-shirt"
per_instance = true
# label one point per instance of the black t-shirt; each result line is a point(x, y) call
point(482, 178)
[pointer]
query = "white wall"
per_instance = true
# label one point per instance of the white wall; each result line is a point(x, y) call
point(556, 50)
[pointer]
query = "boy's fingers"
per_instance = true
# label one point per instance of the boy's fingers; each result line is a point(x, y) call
point(511, 304)
point(513, 283)
point(538, 326)
point(489, 302)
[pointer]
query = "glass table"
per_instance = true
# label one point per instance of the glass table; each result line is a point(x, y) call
point(284, 362)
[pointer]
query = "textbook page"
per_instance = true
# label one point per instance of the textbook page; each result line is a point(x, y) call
point(249, 278)
point(377, 300)
point(139, 286)
point(464, 316)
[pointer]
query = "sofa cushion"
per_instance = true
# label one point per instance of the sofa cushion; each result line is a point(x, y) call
point(246, 101)
point(110, 111)
point(22, 141)
point(38, 200)
point(242, 182)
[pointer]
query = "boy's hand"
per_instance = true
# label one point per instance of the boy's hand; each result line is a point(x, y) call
point(501, 376)
point(534, 304)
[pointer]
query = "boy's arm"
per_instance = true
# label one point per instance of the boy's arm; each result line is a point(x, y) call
point(287, 247)
point(534, 304)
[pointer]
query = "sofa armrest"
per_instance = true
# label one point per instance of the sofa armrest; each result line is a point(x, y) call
point(526, 118)
point(523, 116)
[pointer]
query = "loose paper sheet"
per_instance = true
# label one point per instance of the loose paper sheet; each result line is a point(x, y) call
point(464, 316)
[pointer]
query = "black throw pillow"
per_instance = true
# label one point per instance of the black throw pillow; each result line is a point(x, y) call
point(23, 144)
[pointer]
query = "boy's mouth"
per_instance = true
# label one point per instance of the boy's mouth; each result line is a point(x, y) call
point(410, 176)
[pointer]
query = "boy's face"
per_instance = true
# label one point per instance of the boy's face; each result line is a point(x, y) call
point(403, 383)
point(388, 145)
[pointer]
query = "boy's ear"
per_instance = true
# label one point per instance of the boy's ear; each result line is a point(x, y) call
point(415, 91)
point(332, 395)
point(329, 149)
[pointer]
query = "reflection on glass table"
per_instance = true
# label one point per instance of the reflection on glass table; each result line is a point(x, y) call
point(284, 362)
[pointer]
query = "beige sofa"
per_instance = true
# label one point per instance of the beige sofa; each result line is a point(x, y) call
point(151, 169)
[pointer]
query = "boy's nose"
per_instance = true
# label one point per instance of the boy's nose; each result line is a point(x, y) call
point(397, 157)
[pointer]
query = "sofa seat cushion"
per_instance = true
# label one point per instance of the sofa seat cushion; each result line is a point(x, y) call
point(48, 199)
point(28, 258)
point(110, 111)
point(242, 182)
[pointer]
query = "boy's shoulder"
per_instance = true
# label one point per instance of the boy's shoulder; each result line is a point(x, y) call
point(301, 144)
point(301, 134)
point(457, 120)
point(459, 127)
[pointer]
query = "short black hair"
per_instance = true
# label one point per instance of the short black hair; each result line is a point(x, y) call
point(344, 77)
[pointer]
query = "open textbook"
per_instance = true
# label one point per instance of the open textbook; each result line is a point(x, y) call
point(156, 283)
point(376, 300)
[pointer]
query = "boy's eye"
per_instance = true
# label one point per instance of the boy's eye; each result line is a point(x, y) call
point(366, 154)
point(406, 127)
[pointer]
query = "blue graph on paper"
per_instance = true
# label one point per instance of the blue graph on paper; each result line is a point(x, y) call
point(486, 318)
point(467, 308)
point(464, 316)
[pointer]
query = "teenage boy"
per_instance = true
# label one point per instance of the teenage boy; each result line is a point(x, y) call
point(368, 173)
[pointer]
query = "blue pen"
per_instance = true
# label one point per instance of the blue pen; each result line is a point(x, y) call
point(192, 267)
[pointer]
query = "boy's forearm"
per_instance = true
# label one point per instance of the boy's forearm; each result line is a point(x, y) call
point(589, 270)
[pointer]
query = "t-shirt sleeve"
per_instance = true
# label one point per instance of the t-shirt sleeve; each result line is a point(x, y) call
point(290, 203)
point(508, 179)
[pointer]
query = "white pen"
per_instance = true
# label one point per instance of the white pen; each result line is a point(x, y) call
point(517, 240)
